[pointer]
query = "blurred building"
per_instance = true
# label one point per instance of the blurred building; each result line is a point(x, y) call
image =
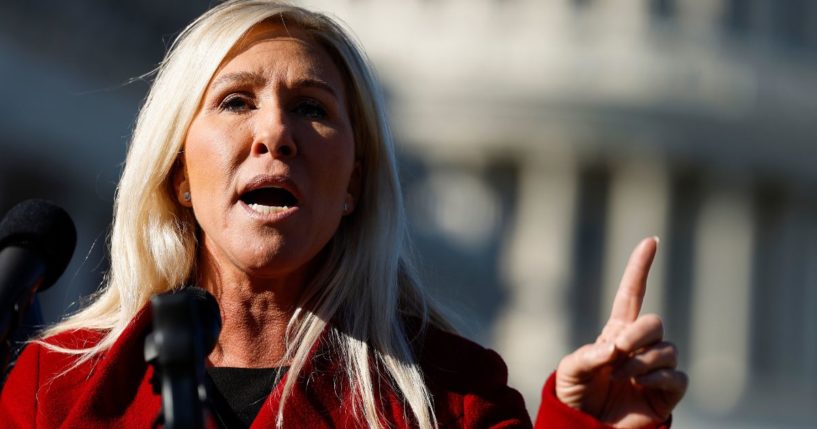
point(540, 139)
point(543, 139)
point(70, 77)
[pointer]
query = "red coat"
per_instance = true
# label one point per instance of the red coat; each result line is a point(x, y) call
point(468, 383)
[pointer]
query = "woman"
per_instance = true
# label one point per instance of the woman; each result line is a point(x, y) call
point(262, 169)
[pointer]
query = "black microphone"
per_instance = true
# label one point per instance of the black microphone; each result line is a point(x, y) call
point(186, 325)
point(37, 239)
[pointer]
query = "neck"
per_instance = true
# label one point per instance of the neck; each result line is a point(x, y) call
point(254, 315)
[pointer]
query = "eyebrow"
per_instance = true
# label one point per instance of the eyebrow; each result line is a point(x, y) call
point(243, 77)
point(315, 83)
point(256, 79)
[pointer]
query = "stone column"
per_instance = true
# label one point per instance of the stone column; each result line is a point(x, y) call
point(721, 300)
point(532, 331)
point(638, 203)
point(810, 286)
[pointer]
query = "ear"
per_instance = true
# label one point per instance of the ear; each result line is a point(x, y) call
point(354, 189)
point(181, 185)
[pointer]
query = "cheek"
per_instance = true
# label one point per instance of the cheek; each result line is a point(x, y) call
point(210, 158)
point(335, 174)
point(336, 158)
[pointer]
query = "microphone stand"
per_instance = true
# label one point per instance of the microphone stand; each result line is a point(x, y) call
point(177, 349)
point(21, 323)
point(20, 269)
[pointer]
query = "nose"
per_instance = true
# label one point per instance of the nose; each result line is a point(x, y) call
point(273, 135)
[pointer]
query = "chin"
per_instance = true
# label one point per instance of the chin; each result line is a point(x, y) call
point(264, 257)
point(275, 264)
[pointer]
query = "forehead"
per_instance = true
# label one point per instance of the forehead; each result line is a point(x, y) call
point(284, 53)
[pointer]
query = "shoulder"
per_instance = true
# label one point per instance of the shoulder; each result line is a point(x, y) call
point(64, 346)
point(57, 376)
point(32, 376)
point(52, 356)
point(59, 344)
point(450, 358)
point(74, 339)
point(69, 345)
point(64, 358)
point(468, 382)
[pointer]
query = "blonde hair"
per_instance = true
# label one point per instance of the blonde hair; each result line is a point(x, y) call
point(367, 285)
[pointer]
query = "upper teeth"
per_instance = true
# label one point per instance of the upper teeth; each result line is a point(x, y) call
point(260, 208)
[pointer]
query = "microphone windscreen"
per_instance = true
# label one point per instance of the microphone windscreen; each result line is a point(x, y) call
point(44, 228)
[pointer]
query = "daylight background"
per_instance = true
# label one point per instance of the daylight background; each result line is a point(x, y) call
point(539, 141)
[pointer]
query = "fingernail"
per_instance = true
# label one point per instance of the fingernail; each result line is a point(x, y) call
point(605, 350)
point(657, 239)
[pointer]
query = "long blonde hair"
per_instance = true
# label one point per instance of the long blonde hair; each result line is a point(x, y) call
point(367, 285)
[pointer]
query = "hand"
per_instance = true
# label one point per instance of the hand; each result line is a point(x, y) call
point(628, 377)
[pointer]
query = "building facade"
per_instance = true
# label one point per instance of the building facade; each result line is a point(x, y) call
point(539, 140)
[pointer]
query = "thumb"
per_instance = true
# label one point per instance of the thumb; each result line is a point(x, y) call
point(581, 365)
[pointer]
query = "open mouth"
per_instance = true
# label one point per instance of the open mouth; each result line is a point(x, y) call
point(269, 200)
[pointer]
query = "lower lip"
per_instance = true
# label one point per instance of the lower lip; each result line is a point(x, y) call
point(275, 216)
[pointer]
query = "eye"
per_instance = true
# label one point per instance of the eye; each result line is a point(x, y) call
point(310, 108)
point(235, 103)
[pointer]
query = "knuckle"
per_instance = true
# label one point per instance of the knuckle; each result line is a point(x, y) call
point(584, 354)
point(653, 321)
point(683, 380)
point(579, 355)
point(639, 364)
point(625, 343)
point(667, 354)
point(672, 360)
point(576, 363)
point(564, 364)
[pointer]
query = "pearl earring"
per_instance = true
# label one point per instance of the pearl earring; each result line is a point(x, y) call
point(187, 196)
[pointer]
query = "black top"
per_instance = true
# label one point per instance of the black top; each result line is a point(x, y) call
point(239, 393)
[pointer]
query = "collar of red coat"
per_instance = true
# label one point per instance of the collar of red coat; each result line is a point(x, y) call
point(113, 389)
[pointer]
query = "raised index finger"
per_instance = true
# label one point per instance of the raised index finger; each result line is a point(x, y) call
point(630, 294)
